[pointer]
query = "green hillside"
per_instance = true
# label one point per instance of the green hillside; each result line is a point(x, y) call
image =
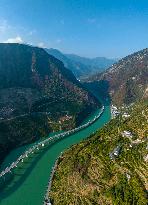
point(110, 167)
point(127, 80)
point(38, 95)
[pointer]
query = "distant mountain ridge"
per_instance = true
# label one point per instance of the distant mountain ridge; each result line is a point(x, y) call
point(81, 66)
point(100, 62)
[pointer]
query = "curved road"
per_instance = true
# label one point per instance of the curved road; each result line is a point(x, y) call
point(30, 178)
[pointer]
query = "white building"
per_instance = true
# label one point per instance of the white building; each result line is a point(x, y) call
point(126, 133)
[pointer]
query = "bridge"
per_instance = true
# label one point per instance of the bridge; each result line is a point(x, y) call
point(47, 141)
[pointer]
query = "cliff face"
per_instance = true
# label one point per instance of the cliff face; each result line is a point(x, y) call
point(36, 93)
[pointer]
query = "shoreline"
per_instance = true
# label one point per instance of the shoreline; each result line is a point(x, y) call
point(48, 140)
point(46, 200)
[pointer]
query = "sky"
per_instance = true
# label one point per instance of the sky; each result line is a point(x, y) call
point(90, 28)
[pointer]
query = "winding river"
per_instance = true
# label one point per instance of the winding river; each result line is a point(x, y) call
point(29, 183)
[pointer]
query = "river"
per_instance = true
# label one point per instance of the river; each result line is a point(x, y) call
point(29, 183)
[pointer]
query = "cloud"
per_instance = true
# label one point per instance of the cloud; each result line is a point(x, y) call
point(91, 20)
point(58, 41)
point(17, 39)
point(41, 45)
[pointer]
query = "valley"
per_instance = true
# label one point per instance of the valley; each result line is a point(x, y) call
point(107, 159)
point(73, 102)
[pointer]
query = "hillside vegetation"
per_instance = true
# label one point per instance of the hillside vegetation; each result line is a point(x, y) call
point(110, 167)
point(127, 79)
point(38, 95)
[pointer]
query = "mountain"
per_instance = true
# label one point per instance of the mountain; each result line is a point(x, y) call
point(100, 63)
point(38, 95)
point(80, 66)
point(110, 167)
point(127, 79)
point(74, 67)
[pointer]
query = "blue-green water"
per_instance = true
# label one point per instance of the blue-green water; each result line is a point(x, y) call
point(28, 185)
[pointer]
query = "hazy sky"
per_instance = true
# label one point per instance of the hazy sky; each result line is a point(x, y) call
point(110, 28)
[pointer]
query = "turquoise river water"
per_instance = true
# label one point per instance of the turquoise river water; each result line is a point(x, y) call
point(29, 183)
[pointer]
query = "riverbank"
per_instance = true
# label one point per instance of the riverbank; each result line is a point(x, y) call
point(48, 140)
point(46, 199)
point(27, 182)
point(110, 167)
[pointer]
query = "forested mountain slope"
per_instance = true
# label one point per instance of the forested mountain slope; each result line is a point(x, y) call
point(127, 79)
point(38, 95)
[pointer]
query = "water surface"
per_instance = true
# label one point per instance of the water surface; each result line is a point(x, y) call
point(30, 178)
